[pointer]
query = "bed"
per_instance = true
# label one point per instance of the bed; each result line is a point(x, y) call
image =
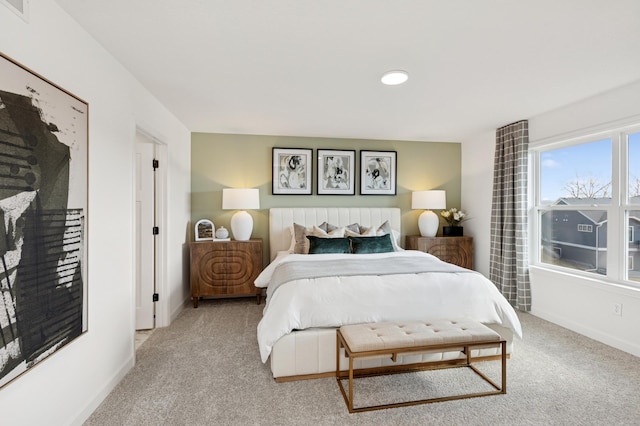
point(310, 295)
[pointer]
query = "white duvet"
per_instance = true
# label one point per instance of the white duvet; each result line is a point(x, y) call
point(339, 300)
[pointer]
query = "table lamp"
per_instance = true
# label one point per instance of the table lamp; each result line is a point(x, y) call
point(428, 221)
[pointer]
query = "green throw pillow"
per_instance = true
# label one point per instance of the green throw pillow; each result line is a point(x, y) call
point(363, 245)
point(318, 245)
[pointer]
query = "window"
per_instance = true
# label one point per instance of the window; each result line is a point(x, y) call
point(633, 246)
point(632, 204)
point(587, 195)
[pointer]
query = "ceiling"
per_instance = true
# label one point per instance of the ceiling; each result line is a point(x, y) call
point(313, 67)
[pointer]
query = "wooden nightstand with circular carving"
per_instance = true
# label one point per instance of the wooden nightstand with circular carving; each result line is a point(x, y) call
point(225, 269)
point(456, 250)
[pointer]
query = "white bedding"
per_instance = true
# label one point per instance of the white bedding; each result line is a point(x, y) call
point(335, 301)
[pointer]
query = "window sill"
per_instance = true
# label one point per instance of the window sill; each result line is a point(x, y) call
point(592, 280)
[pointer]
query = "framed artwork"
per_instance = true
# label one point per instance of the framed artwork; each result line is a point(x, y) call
point(43, 211)
point(204, 230)
point(378, 172)
point(292, 171)
point(336, 172)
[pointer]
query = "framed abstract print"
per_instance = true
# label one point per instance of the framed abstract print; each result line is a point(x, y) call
point(43, 211)
point(292, 171)
point(336, 172)
point(378, 172)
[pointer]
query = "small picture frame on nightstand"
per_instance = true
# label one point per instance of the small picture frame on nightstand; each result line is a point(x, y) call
point(204, 230)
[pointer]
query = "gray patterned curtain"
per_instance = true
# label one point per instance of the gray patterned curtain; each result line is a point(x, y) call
point(508, 267)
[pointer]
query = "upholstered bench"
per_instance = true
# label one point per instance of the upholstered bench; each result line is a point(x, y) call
point(393, 338)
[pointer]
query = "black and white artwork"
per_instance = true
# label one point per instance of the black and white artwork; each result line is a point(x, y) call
point(336, 172)
point(292, 171)
point(378, 172)
point(43, 210)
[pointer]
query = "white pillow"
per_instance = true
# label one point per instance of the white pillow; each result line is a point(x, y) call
point(395, 237)
point(335, 233)
point(368, 232)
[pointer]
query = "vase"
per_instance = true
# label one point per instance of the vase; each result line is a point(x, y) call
point(222, 233)
point(452, 231)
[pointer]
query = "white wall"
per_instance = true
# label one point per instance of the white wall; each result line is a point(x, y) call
point(476, 187)
point(67, 386)
point(583, 305)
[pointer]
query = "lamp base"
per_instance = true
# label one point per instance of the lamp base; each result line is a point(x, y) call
point(428, 223)
point(241, 226)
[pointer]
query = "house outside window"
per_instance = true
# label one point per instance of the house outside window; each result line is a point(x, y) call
point(587, 204)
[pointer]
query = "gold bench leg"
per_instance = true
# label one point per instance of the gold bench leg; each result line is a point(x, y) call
point(347, 399)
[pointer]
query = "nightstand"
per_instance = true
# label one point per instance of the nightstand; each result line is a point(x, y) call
point(225, 269)
point(456, 250)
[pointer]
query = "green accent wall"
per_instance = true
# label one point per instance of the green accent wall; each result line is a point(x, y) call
point(244, 161)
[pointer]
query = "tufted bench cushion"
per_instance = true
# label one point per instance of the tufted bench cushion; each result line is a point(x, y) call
point(393, 335)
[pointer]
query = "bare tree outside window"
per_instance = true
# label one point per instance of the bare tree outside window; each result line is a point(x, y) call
point(634, 186)
point(588, 187)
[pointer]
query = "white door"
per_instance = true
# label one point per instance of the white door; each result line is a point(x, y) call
point(145, 221)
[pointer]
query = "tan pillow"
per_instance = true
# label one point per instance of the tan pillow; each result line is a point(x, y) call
point(300, 234)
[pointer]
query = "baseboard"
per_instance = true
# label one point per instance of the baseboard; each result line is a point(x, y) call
point(97, 399)
point(589, 332)
point(185, 304)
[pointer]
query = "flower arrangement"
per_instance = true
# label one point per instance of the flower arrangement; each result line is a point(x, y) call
point(453, 216)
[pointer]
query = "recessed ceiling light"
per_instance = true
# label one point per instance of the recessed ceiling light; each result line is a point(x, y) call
point(392, 78)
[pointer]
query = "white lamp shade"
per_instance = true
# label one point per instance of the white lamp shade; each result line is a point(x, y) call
point(241, 199)
point(429, 200)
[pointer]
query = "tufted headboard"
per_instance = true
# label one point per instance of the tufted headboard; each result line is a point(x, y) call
point(282, 218)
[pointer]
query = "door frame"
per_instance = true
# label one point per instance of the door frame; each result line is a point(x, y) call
point(162, 318)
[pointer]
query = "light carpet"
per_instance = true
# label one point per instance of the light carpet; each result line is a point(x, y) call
point(205, 369)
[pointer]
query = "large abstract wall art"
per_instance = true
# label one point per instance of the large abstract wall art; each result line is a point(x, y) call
point(43, 210)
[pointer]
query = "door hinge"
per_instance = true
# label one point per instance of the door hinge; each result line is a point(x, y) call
point(156, 230)
point(155, 164)
point(156, 297)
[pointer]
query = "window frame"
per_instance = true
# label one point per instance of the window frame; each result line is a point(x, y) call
point(617, 211)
